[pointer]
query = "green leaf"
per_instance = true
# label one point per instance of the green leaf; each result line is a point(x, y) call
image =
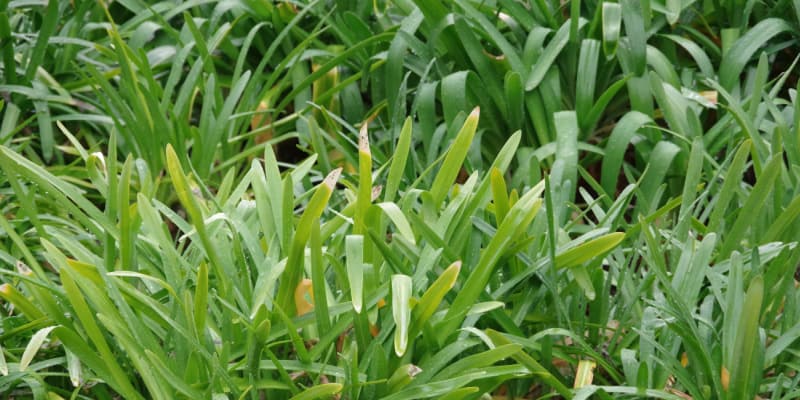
point(354, 250)
point(690, 184)
point(741, 51)
point(730, 184)
point(454, 158)
point(433, 297)
point(585, 82)
point(399, 219)
point(531, 364)
point(515, 99)
point(698, 54)
point(401, 312)
point(321, 311)
point(3, 363)
point(480, 360)
point(499, 195)
point(675, 108)
point(574, 18)
point(364, 192)
point(566, 155)
point(117, 376)
point(398, 161)
point(443, 387)
point(752, 207)
point(402, 376)
point(661, 158)
point(548, 57)
point(760, 145)
point(612, 24)
point(584, 280)
point(66, 194)
point(294, 265)
point(13, 296)
point(673, 11)
point(33, 346)
point(599, 108)
point(515, 224)
point(589, 250)
point(201, 300)
point(188, 199)
point(782, 222)
point(462, 393)
point(621, 136)
point(321, 391)
point(481, 63)
point(587, 392)
point(635, 19)
point(747, 363)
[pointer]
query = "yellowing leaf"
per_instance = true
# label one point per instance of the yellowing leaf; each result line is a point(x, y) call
point(725, 378)
point(585, 375)
point(304, 297)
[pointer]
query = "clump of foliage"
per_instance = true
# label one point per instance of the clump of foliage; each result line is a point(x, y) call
point(403, 200)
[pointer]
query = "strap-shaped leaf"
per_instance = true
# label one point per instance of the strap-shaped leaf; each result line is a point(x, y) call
point(455, 158)
point(354, 252)
point(735, 59)
point(747, 363)
point(515, 224)
point(33, 346)
point(320, 391)
point(433, 297)
point(550, 53)
point(612, 25)
point(401, 312)
point(589, 250)
point(294, 265)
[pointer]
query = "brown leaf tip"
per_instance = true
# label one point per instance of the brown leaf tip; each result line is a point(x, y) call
point(363, 138)
point(23, 269)
point(332, 178)
point(376, 192)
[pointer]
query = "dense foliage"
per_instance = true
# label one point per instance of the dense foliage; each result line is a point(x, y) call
point(401, 199)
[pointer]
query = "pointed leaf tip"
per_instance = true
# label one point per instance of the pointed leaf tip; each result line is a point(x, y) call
point(363, 138)
point(456, 268)
point(332, 178)
point(476, 113)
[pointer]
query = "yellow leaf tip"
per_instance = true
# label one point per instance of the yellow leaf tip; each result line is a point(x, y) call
point(476, 112)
